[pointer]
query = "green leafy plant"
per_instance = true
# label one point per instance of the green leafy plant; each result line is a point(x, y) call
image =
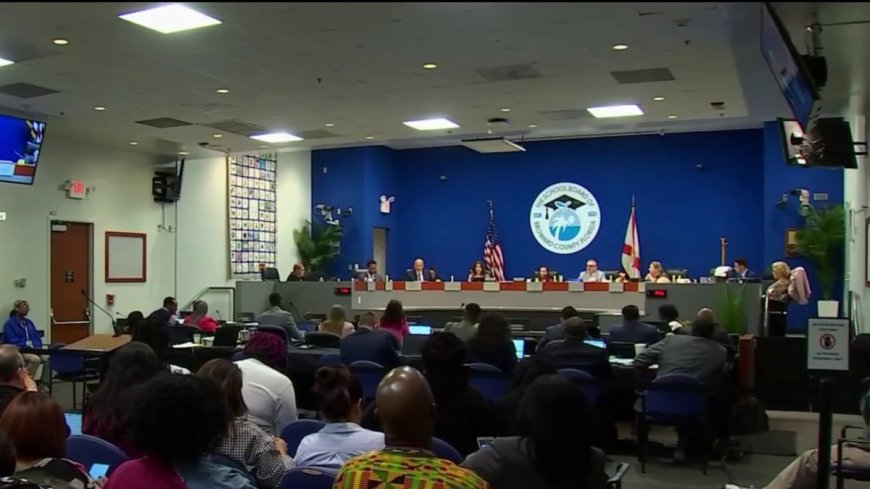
point(821, 241)
point(729, 310)
point(317, 244)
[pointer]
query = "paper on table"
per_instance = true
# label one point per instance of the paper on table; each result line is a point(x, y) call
point(189, 344)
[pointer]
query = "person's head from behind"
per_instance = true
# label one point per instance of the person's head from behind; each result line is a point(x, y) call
point(372, 267)
point(134, 318)
point(368, 320)
point(471, 313)
point(393, 313)
point(35, 424)
point(133, 364)
point(568, 312)
point(154, 333)
point(704, 328)
point(339, 395)
point(668, 312)
point(20, 308)
point(493, 328)
point(406, 408)
point(419, 265)
point(200, 308)
point(477, 268)
point(178, 418)
point(267, 348)
point(227, 376)
point(740, 265)
point(170, 304)
point(528, 370)
point(707, 314)
point(443, 356)
point(337, 315)
point(299, 270)
point(276, 300)
point(7, 455)
point(575, 328)
point(630, 313)
point(11, 363)
point(551, 417)
point(780, 270)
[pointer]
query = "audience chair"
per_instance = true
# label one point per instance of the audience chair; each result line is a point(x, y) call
point(308, 478)
point(446, 451)
point(270, 274)
point(227, 336)
point(369, 375)
point(88, 450)
point(322, 339)
point(70, 366)
point(239, 467)
point(330, 360)
point(277, 331)
point(853, 472)
point(678, 400)
point(238, 356)
point(586, 381)
point(180, 334)
point(488, 379)
point(294, 432)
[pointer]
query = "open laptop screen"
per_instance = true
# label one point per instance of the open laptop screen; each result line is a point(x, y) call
point(520, 345)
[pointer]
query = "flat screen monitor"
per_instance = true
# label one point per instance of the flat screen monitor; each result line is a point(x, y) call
point(520, 345)
point(788, 68)
point(20, 147)
point(420, 329)
point(596, 343)
point(827, 144)
point(74, 421)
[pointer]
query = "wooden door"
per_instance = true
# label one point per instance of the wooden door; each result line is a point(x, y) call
point(70, 281)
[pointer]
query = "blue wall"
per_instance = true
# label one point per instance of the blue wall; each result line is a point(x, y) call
point(440, 211)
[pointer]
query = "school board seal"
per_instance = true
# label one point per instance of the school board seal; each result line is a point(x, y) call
point(565, 218)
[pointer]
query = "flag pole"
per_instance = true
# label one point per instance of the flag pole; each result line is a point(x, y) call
point(632, 201)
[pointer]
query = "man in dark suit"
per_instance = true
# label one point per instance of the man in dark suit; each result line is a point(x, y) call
point(418, 273)
point(740, 270)
point(167, 312)
point(572, 352)
point(298, 273)
point(632, 330)
point(371, 274)
point(557, 331)
point(370, 343)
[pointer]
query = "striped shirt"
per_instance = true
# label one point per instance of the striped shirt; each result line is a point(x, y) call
point(403, 468)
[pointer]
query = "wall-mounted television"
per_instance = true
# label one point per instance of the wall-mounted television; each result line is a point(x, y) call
point(788, 68)
point(828, 143)
point(20, 147)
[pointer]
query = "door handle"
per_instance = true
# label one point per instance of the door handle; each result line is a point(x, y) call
point(69, 322)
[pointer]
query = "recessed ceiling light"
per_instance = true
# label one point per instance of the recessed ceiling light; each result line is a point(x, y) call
point(99, 108)
point(370, 137)
point(506, 109)
point(276, 137)
point(170, 18)
point(431, 124)
point(532, 126)
point(430, 66)
point(672, 116)
point(4, 62)
point(183, 153)
point(60, 41)
point(223, 91)
point(329, 124)
point(620, 47)
point(217, 136)
point(659, 98)
point(134, 143)
point(614, 111)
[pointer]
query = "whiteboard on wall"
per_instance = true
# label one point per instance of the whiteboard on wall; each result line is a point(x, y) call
point(125, 257)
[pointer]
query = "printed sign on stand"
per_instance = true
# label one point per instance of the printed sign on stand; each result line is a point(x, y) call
point(827, 344)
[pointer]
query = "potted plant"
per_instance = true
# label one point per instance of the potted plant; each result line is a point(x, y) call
point(317, 243)
point(729, 309)
point(820, 240)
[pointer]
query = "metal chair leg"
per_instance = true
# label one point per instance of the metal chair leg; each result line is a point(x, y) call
point(705, 449)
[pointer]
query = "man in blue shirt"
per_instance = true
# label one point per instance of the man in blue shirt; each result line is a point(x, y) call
point(20, 331)
point(557, 331)
point(370, 343)
point(632, 330)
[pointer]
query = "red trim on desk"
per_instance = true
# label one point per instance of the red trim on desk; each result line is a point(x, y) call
point(556, 286)
point(361, 286)
point(472, 286)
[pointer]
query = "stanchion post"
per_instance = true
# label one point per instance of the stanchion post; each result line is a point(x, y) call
point(826, 408)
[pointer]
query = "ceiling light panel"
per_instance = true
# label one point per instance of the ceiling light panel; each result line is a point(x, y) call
point(615, 111)
point(432, 124)
point(276, 137)
point(170, 19)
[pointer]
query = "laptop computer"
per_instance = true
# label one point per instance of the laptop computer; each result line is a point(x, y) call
point(520, 345)
point(74, 421)
point(596, 343)
point(420, 329)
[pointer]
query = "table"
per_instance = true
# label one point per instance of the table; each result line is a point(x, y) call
point(99, 343)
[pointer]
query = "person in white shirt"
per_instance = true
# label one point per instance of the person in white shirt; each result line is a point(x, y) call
point(592, 273)
point(339, 397)
point(268, 393)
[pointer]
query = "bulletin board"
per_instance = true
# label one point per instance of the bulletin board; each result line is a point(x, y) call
point(251, 209)
point(125, 257)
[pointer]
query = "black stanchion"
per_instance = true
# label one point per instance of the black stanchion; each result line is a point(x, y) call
point(826, 408)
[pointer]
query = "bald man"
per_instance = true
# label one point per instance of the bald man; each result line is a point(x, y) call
point(720, 335)
point(406, 410)
point(298, 273)
point(418, 273)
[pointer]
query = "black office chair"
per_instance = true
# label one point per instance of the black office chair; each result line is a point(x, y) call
point(227, 336)
point(180, 334)
point(277, 331)
point(322, 339)
point(270, 274)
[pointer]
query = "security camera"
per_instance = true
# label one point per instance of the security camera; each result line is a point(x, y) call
point(203, 144)
point(717, 105)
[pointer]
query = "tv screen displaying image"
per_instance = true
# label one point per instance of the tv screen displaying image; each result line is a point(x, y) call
point(20, 147)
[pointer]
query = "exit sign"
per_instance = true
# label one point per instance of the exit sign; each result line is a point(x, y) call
point(77, 189)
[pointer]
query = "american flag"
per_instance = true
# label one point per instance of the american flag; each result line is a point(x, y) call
point(492, 254)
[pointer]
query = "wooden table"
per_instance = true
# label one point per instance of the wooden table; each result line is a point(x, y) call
point(100, 343)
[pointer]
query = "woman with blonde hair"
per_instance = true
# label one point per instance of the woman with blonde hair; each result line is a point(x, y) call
point(336, 323)
point(789, 285)
point(657, 273)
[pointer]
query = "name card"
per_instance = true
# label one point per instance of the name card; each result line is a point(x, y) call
point(413, 286)
point(388, 285)
point(491, 287)
point(535, 287)
point(616, 287)
point(641, 287)
point(575, 286)
point(370, 286)
point(452, 286)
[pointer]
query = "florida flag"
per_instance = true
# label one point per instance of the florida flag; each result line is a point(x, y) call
point(631, 248)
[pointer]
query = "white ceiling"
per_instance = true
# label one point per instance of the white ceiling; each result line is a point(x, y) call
point(298, 66)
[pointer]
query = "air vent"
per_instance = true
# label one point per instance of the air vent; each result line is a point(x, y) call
point(510, 72)
point(164, 123)
point(566, 115)
point(25, 90)
point(236, 126)
point(492, 145)
point(316, 134)
point(642, 76)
